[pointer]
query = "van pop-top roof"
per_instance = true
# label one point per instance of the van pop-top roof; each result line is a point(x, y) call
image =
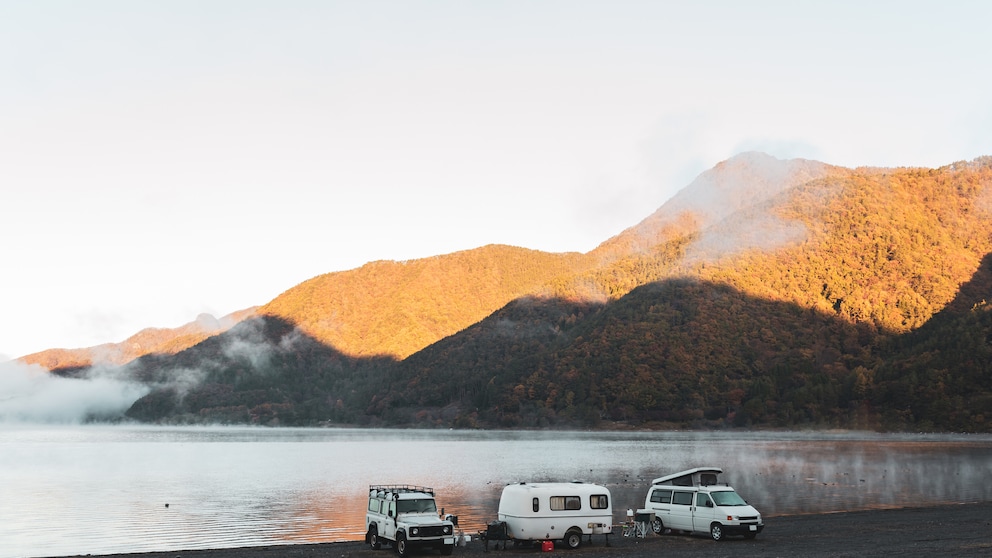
point(700, 476)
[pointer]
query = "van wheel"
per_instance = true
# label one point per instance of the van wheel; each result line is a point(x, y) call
point(657, 526)
point(402, 547)
point(573, 538)
point(716, 531)
point(373, 538)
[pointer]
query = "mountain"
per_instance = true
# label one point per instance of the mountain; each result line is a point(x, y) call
point(388, 308)
point(766, 293)
point(166, 341)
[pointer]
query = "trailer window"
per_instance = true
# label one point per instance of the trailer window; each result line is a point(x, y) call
point(661, 496)
point(599, 501)
point(536, 505)
point(559, 503)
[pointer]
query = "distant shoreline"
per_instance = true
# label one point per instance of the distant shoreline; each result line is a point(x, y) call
point(946, 530)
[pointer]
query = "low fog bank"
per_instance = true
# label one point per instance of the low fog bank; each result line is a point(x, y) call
point(29, 393)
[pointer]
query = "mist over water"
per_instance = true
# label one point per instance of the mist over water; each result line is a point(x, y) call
point(98, 489)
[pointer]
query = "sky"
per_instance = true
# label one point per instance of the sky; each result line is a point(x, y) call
point(163, 159)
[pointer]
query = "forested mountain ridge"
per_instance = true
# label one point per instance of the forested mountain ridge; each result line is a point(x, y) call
point(752, 333)
point(823, 296)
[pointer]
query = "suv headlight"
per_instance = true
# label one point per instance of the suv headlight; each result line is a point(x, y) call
point(447, 529)
point(415, 531)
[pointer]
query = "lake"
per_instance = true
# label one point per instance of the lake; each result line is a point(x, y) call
point(104, 489)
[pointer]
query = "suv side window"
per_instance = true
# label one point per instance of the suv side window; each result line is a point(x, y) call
point(374, 505)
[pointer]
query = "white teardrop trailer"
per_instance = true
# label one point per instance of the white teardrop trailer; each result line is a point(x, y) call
point(556, 511)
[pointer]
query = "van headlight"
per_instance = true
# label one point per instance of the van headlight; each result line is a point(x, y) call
point(732, 518)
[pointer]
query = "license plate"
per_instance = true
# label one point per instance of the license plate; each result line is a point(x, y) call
point(754, 527)
point(449, 541)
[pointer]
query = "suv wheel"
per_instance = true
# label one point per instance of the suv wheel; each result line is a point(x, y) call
point(373, 538)
point(402, 547)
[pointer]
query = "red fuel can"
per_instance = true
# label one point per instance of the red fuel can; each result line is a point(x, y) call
point(547, 546)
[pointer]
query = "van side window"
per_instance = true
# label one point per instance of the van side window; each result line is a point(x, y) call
point(559, 503)
point(702, 499)
point(683, 498)
point(707, 479)
point(661, 496)
point(536, 505)
point(599, 501)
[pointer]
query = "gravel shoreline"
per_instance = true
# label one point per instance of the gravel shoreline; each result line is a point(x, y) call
point(950, 530)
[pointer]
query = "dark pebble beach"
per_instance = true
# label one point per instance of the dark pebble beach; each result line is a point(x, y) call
point(951, 530)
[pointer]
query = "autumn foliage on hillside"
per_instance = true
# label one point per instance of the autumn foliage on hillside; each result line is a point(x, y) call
point(820, 297)
point(389, 308)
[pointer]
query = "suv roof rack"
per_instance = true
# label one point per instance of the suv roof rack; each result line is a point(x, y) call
point(400, 488)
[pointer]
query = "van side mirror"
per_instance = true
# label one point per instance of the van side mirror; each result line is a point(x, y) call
point(709, 503)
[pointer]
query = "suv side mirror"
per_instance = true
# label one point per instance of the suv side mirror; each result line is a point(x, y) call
point(392, 513)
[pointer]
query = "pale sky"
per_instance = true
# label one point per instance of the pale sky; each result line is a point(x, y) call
point(159, 159)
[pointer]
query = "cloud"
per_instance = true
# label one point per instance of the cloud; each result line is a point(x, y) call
point(30, 393)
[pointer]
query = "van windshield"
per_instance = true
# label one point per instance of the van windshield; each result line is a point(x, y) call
point(727, 498)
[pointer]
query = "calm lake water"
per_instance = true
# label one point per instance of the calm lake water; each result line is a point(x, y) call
point(108, 489)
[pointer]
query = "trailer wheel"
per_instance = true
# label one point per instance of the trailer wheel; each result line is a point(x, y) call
point(573, 538)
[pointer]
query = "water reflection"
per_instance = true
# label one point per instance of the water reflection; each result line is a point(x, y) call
point(79, 490)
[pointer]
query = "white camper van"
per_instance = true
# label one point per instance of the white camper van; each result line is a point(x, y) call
point(552, 511)
point(694, 501)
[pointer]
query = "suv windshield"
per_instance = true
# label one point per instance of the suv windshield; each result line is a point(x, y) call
point(727, 498)
point(415, 506)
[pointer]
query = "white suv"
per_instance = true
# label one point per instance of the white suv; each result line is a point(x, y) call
point(406, 516)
